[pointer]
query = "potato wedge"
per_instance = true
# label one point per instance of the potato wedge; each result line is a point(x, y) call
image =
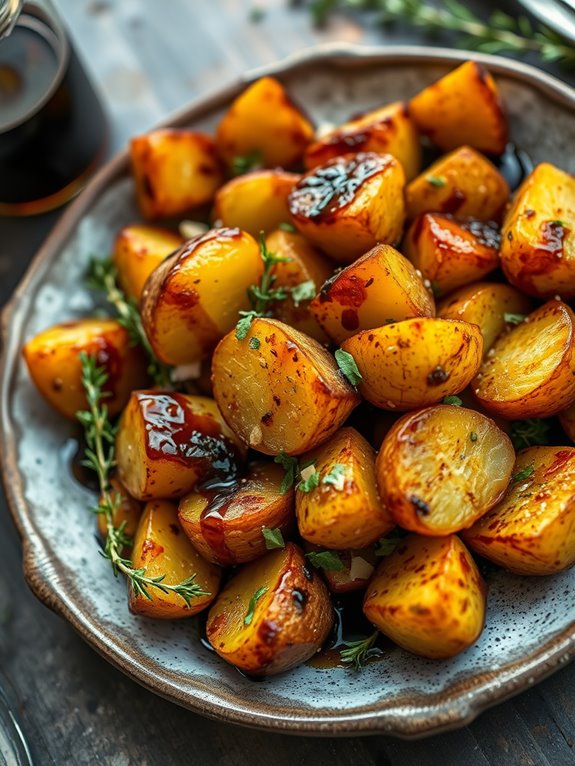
point(182, 320)
point(128, 512)
point(428, 597)
point(530, 371)
point(273, 614)
point(279, 390)
point(351, 203)
point(161, 548)
point(53, 361)
point(464, 107)
point(532, 530)
point(416, 362)
point(538, 235)
point(380, 287)
point(174, 170)
point(168, 442)
point(442, 468)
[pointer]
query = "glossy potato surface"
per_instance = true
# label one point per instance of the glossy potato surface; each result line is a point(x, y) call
point(138, 250)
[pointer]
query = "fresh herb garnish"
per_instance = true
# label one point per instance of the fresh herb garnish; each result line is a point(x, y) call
point(244, 163)
point(336, 476)
point(254, 343)
point(357, 653)
point(523, 474)
point(348, 366)
point(513, 318)
point(273, 538)
point(473, 436)
point(455, 401)
point(252, 605)
point(328, 560)
point(386, 545)
point(309, 479)
point(290, 466)
point(305, 291)
point(286, 226)
point(438, 181)
point(529, 433)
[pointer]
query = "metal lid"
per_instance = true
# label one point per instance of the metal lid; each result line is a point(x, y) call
point(9, 12)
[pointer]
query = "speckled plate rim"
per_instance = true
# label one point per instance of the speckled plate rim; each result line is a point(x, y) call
point(416, 716)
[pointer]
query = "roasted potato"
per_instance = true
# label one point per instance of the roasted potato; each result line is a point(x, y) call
point(530, 371)
point(279, 390)
point(163, 550)
point(272, 615)
point(538, 235)
point(182, 320)
point(357, 569)
point(416, 362)
point(174, 171)
point(128, 511)
point(442, 468)
point(464, 183)
point(53, 361)
point(428, 597)
point(380, 287)
point(168, 442)
point(351, 203)
point(532, 530)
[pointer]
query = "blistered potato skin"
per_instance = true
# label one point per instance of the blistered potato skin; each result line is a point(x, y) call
point(538, 235)
point(182, 320)
point(161, 548)
point(428, 597)
point(290, 621)
point(127, 512)
point(138, 250)
point(416, 362)
point(380, 287)
point(53, 361)
point(532, 530)
point(279, 390)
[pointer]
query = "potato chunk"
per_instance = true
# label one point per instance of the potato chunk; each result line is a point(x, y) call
point(273, 614)
point(380, 287)
point(416, 362)
point(355, 574)
point(442, 468)
point(182, 320)
point(351, 203)
point(530, 371)
point(279, 390)
point(538, 235)
point(428, 597)
point(174, 171)
point(162, 549)
point(532, 530)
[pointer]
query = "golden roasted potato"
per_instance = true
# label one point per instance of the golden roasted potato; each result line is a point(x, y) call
point(428, 597)
point(225, 523)
point(388, 130)
point(416, 362)
point(351, 203)
point(380, 287)
point(357, 569)
point(567, 420)
point(182, 320)
point(168, 442)
point(463, 183)
point(53, 361)
point(273, 614)
point(161, 548)
point(263, 121)
point(442, 468)
point(337, 502)
point(279, 390)
point(464, 107)
point(532, 530)
point(538, 235)
point(449, 252)
point(174, 171)
point(138, 250)
point(530, 371)
point(128, 512)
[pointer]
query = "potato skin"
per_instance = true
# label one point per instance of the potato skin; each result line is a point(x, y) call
point(428, 596)
point(532, 530)
point(290, 621)
point(358, 567)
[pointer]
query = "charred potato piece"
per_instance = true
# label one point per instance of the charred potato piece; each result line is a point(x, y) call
point(174, 171)
point(532, 530)
point(464, 107)
point(182, 320)
point(428, 597)
point(380, 287)
point(128, 511)
point(161, 548)
point(279, 390)
point(538, 235)
point(53, 361)
point(351, 203)
point(416, 362)
point(530, 371)
point(442, 468)
point(274, 614)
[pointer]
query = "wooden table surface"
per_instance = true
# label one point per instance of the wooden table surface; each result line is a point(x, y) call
point(148, 58)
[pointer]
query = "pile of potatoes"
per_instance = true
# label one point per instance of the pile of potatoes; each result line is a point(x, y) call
point(259, 459)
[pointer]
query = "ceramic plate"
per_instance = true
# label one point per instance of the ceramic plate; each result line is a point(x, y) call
point(530, 623)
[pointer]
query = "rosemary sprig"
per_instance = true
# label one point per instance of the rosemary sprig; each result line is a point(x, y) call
point(358, 652)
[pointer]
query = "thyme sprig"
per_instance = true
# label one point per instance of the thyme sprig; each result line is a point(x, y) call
point(357, 653)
